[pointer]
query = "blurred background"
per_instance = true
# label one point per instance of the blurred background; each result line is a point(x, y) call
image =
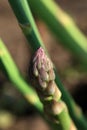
point(15, 112)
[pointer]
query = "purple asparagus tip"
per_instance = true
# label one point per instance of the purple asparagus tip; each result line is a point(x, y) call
point(43, 77)
point(43, 68)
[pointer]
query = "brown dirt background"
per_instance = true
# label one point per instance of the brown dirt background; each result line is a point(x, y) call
point(16, 43)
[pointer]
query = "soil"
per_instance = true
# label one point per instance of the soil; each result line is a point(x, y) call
point(16, 43)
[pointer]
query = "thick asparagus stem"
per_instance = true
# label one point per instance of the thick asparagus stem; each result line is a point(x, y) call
point(43, 78)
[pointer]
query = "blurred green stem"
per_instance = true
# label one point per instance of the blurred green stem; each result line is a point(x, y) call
point(25, 19)
point(16, 78)
point(62, 26)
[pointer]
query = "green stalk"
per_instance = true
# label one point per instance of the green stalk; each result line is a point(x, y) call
point(24, 16)
point(62, 26)
point(48, 91)
point(16, 78)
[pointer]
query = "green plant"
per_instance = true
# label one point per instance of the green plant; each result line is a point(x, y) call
point(27, 24)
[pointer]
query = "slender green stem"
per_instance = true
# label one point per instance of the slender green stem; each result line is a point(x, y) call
point(62, 26)
point(16, 78)
point(24, 16)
